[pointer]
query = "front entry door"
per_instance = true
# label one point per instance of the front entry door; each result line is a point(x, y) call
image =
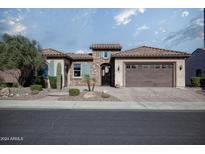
point(106, 74)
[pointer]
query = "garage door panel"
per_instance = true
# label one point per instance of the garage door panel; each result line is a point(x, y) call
point(150, 75)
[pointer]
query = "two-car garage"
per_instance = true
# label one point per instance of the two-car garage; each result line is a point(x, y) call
point(149, 74)
point(150, 67)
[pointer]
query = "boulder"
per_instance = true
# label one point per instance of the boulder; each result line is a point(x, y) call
point(5, 92)
point(89, 95)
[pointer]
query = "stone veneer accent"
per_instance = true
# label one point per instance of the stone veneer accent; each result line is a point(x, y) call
point(96, 65)
point(95, 69)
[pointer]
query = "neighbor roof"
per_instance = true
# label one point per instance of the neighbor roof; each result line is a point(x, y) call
point(116, 46)
point(79, 56)
point(146, 51)
point(202, 49)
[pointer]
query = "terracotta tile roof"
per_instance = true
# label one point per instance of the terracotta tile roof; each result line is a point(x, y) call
point(116, 46)
point(146, 51)
point(80, 56)
point(8, 76)
point(74, 56)
point(54, 53)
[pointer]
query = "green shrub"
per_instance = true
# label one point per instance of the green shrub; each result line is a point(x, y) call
point(36, 87)
point(3, 85)
point(53, 82)
point(74, 92)
point(195, 81)
point(202, 81)
point(105, 95)
point(40, 81)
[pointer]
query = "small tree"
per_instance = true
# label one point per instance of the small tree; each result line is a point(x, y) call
point(93, 83)
point(21, 54)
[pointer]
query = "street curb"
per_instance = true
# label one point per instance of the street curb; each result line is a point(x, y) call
point(101, 105)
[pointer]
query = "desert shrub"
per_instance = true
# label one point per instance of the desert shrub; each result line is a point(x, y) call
point(40, 81)
point(36, 87)
point(74, 92)
point(195, 81)
point(53, 82)
point(105, 95)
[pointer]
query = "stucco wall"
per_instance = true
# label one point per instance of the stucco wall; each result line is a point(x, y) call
point(120, 69)
point(196, 61)
point(56, 61)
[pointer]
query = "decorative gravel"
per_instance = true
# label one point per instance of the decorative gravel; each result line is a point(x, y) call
point(23, 94)
point(81, 98)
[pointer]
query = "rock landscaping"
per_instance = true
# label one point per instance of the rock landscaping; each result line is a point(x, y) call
point(20, 94)
point(88, 96)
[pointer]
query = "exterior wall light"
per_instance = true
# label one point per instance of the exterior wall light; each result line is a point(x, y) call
point(180, 67)
point(118, 68)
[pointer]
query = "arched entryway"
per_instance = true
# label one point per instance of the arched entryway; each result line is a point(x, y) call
point(105, 74)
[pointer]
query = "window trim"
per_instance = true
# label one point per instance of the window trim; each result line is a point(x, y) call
point(77, 77)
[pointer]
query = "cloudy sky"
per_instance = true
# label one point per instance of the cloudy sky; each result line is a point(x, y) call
point(75, 29)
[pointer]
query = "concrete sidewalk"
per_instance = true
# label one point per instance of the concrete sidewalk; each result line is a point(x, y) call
point(37, 104)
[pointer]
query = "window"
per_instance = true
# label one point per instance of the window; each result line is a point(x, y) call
point(198, 73)
point(77, 70)
point(105, 54)
point(133, 66)
point(128, 66)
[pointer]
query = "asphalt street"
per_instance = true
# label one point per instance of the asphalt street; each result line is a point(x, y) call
point(101, 127)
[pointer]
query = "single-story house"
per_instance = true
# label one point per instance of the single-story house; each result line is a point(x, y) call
point(195, 65)
point(138, 67)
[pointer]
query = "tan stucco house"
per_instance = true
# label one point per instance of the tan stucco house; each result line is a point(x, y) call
point(139, 67)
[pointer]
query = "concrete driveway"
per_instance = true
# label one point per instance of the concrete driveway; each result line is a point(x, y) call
point(150, 94)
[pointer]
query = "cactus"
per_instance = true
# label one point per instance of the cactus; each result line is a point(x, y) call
point(59, 77)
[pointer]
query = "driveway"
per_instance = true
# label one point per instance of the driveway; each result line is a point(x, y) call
point(150, 94)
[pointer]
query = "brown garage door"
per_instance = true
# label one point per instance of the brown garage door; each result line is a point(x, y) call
point(149, 75)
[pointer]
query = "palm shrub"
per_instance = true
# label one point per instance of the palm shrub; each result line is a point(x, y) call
point(93, 83)
point(59, 77)
point(87, 80)
point(90, 82)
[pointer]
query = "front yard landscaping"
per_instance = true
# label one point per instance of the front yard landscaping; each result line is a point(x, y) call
point(31, 93)
point(88, 96)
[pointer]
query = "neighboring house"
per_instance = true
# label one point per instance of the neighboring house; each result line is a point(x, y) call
point(139, 67)
point(195, 65)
